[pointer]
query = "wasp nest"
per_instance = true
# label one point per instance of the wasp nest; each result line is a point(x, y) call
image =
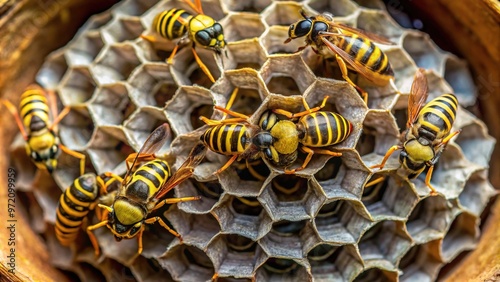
point(321, 223)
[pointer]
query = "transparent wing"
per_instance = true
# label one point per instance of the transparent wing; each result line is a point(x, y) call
point(373, 37)
point(418, 95)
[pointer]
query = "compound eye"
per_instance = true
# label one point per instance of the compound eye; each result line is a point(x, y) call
point(218, 29)
point(203, 37)
point(268, 153)
point(303, 28)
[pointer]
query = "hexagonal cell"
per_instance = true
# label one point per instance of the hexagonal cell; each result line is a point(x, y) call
point(149, 270)
point(185, 108)
point(285, 239)
point(280, 269)
point(287, 75)
point(423, 51)
point(380, 132)
point(186, 71)
point(252, 170)
point(429, 219)
point(52, 71)
point(142, 123)
point(187, 263)
point(241, 26)
point(77, 86)
point(336, 8)
point(341, 222)
point(115, 63)
point(376, 275)
point(437, 85)
point(107, 152)
point(236, 255)
point(273, 41)
point(385, 243)
point(133, 7)
point(475, 143)
point(477, 193)
point(380, 23)
point(76, 129)
point(111, 105)
point(152, 85)
point(97, 21)
point(457, 74)
point(245, 54)
point(210, 193)
point(122, 29)
point(393, 198)
point(243, 216)
point(421, 262)
point(196, 230)
point(85, 49)
point(461, 236)
point(252, 6)
point(334, 263)
point(289, 197)
point(282, 13)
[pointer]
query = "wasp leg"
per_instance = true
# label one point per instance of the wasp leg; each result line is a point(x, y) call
point(375, 181)
point(310, 152)
point(195, 6)
point(387, 155)
point(213, 122)
point(76, 155)
point(152, 220)
point(230, 102)
point(228, 163)
point(202, 65)
point(428, 180)
point(170, 59)
point(215, 276)
point(303, 113)
point(14, 113)
point(91, 235)
point(231, 113)
point(175, 201)
point(448, 138)
point(343, 69)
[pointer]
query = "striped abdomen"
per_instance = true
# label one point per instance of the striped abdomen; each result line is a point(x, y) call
point(226, 139)
point(172, 23)
point(146, 180)
point(34, 110)
point(74, 205)
point(366, 53)
point(323, 129)
point(436, 117)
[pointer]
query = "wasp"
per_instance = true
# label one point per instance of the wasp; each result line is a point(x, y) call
point(147, 181)
point(315, 129)
point(77, 201)
point(200, 29)
point(352, 48)
point(40, 133)
point(427, 130)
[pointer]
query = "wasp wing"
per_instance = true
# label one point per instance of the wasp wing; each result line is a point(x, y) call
point(185, 171)
point(373, 37)
point(418, 95)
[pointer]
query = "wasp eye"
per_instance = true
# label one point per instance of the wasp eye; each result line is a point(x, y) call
point(303, 28)
point(218, 29)
point(203, 37)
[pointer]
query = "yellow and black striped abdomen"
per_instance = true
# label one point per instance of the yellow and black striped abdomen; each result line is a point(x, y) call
point(226, 139)
point(436, 117)
point(147, 180)
point(74, 205)
point(366, 53)
point(34, 110)
point(323, 129)
point(172, 23)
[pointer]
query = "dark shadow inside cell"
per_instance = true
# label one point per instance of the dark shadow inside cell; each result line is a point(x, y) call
point(289, 187)
point(253, 6)
point(252, 170)
point(330, 170)
point(410, 257)
point(288, 228)
point(372, 274)
point(330, 213)
point(246, 206)
point(374, 190)
point(448, 268)
point(283, 85)
point(162, 55)
point(197, 257)
point(366, 142)
point(247, 101)
point(128, 110)
point(72, 276)
point(124, 149)
point(164, 93)
point(200, 78)
point(401, 117)
point(252, 65)
point(203, 110)
point(210, 189)
point(281, 266)
point(372, 233)
point(240, 243)
point(323, 253)
point(76, 128)
point(91, 273)
point(336, 8)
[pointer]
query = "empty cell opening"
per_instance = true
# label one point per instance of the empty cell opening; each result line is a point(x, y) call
point(401, 116)
point(85, 49)
point(379, 23)
point(252, 6)
point(281, 266)
point(153, 85)
point(458, 76)
point(246, 54)
point(246, 206)
point(77, 87)
point(211, 189)
point(461, 236)
point(422, 51)
point(429, 216)
point(202, 110)
point(252, 170)
point(273, 41)
point(116, 64)
point(135, 7)
point(375, 275)
point(112, 105)
point(149, 270)
point(163, 92)
point(188, 70)
point(141, 124)
point(198, 77)
point(107, 152)
point(279, 269)
point(197, 257)
point(330, 170)
point(476, 193)
point(124, 29)
point(240, 244)
point(337, 8)
point(243, 26)
point(329, 214)
point(90, 273)
point(247, 101)
point(323, 253)
point(76, 129)
point(475, 145)
point(289, 188)
point(283, 85)
point(420, 262)
point(366, 142)
point(52, 71)
point(283, 14)
point(288, 228)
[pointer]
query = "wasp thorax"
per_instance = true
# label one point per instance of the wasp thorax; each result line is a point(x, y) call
point(126, 213)
point(418, 152)
point(286, 137)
